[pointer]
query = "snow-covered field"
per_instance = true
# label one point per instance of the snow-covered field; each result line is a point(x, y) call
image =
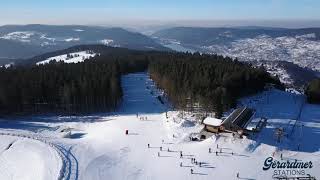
point(73, 57)
point(96, 147)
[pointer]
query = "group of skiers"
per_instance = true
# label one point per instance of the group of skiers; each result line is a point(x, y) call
point(142, 118)
point(193, 160)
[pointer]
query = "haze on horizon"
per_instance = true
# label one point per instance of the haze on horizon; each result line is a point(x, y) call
point(276, 13)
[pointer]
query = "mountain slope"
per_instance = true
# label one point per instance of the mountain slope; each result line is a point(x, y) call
point(300, 46)
point(207, 36)
point(25, 41)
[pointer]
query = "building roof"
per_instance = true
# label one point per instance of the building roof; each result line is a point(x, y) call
point(239, 117)
point(212, 121)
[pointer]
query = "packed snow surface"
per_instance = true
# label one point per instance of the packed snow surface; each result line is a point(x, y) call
point(98, 147)
point(70, 58)
point(23, 158)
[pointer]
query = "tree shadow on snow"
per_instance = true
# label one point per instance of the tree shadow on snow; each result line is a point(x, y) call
point(23, 125)
point(77, 135)
point(301, 137)
point(202, 174)
point(246, 178)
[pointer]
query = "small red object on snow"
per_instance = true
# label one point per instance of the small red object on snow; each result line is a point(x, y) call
point(127, 131)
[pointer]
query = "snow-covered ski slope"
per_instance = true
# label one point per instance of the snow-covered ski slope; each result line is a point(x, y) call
point(96, 147)
point(72, 58)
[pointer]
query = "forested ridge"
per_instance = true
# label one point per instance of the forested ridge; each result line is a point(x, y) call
point(95, 85)
point(212, 81)
point(60, 87)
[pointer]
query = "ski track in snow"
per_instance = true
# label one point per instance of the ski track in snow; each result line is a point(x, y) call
point(69, 170)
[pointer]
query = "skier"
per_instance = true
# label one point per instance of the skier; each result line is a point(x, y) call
point(216, 153)
point(232, 153)
point(168, 150)
point(209, 150)
point(281, 156)
point(181, 154)
point(148, 145)
point(158, 154)
point(160, 148)
point(220, 150)
point(191, 171)
point(181, 164)
point(237, 175)
point(217, 146)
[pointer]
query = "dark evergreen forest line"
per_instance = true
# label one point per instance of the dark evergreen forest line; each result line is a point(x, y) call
point(95, 85)
point(215, 82)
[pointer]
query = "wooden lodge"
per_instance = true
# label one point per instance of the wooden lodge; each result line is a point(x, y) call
point(235, 122)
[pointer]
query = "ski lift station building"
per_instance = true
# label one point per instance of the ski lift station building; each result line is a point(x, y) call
point(235, 122)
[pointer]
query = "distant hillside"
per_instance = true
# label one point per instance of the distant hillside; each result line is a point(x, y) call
point(25, 41)
point(209, 36)
point(290, 74)
point(300, 46)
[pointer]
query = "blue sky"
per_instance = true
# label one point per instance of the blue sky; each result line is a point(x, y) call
point(108, 11)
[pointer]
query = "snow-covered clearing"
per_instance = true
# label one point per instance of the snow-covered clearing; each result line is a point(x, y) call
point(22, 36)
point(72, 39)
point(70, 58)
point(106, 41)
point(96, 147)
